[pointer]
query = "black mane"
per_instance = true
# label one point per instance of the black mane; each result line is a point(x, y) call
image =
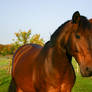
point(52, 40)
point(56, 33)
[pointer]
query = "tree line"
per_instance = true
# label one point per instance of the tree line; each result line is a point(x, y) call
point(22, 38)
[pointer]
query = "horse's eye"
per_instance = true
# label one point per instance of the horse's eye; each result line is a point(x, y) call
point(78, 36)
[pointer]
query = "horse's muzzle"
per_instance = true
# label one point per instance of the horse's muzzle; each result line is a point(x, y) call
point(87, 72)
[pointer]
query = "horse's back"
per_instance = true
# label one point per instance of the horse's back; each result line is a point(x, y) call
point(23, 63)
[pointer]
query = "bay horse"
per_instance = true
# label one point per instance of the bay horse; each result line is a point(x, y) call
point(49, 68)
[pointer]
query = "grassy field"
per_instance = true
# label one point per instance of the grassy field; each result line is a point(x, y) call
point(4, 73)
point(81, 85)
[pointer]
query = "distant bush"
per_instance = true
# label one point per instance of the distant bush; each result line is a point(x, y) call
point(6, 49)
point(22, 38)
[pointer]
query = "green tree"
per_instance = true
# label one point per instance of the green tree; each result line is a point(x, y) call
point(37, 40)
point(23, 37)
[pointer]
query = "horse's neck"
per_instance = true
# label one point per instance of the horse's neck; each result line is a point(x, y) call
point(63, 41)
point(60, 55)
point(62, 48)
point(55, 57)
point(57, 53)
point(54, 62)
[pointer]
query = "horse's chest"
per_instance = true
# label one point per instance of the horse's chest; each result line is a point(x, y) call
point(52, 89)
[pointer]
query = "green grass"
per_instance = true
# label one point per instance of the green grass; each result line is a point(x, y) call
point(4, 73)
point(81, 84)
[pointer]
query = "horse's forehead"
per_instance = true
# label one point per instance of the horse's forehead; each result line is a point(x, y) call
point(71, 27)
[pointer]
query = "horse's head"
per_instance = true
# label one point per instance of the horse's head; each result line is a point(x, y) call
point(75, 38)
point(80, 42)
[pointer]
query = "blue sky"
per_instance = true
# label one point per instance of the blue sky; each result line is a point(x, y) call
point(41, 16)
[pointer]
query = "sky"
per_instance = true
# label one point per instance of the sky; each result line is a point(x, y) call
point(41, 16)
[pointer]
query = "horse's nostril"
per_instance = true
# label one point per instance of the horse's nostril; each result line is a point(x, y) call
point(87, 69)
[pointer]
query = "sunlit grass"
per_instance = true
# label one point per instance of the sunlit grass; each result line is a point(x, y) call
point(4, 73)
point(82, 84)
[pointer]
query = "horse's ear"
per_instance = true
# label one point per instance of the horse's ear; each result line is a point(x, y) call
point(76, 17)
